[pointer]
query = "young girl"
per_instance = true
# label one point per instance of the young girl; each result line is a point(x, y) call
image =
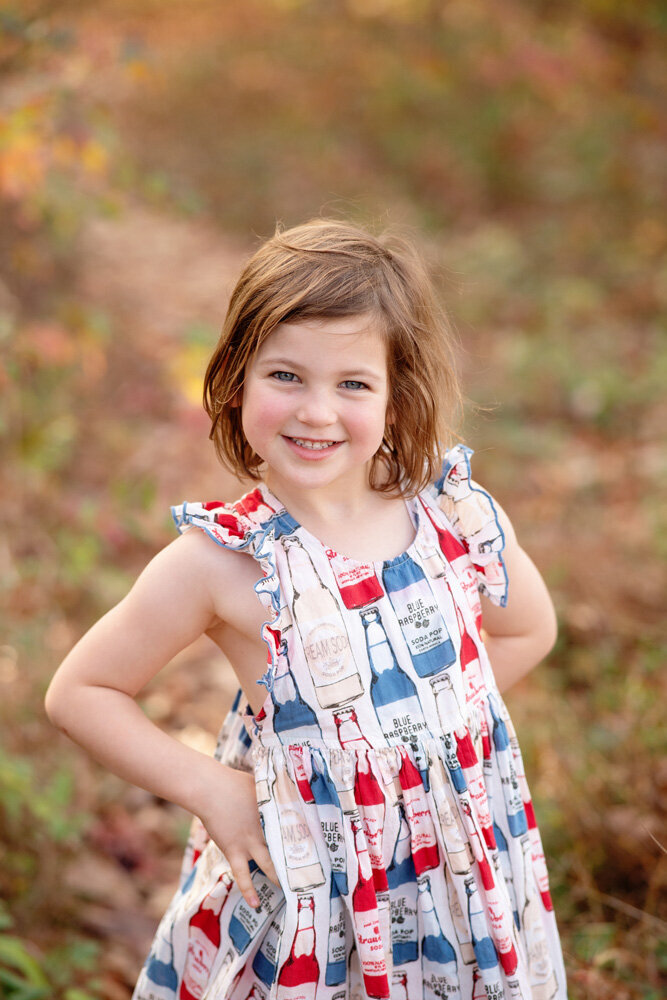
point(365, 829)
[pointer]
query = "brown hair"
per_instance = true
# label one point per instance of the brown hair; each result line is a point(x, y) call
point(325, 269)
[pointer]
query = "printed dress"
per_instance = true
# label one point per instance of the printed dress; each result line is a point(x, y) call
point(388, 775)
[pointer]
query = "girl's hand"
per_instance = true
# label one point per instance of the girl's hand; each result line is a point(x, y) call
point(231, 818)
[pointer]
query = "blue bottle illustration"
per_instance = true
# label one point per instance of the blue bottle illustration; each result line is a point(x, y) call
point(439, 965)
point(290, 711)
point(393, 693)
point(453, 764)
point(506, 868)
point(245, 921)
point(265, 962)
point(283, 524)
point(484, 948)
point(159, 967)
point(331, 819)
point(516, 814)
point(337, 944)
point(422, 624)
point(402, 881)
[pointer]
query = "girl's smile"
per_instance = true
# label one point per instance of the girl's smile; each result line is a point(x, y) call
point(315, 402)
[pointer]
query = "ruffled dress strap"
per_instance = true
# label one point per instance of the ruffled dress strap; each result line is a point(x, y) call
point(245, 526)
point(473, 515)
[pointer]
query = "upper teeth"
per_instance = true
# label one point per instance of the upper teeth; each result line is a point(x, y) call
point(312, 444)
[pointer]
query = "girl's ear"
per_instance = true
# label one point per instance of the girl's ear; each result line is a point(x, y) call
point(237, 399)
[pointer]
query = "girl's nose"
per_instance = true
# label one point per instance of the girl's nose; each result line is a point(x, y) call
point(316, 410)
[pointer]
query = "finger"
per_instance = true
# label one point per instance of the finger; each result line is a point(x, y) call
point(263, 859)
point(241, 873)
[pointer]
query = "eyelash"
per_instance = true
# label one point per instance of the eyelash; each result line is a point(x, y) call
point(278, 376)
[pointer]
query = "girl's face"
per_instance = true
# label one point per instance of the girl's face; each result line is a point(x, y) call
point(314, 403)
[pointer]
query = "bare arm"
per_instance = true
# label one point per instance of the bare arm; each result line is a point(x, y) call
point(518, 636)
point(91, 699)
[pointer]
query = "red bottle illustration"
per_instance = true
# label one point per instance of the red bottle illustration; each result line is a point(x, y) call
point(204, 940)
point(357, 582)
point(469, 762)
point(371, 802)
point(299, 976)
point(350, 735)
point(370, 945)
point(425, 852)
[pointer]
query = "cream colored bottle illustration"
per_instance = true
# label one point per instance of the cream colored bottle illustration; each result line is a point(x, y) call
point(304, 870)
point(320, 625)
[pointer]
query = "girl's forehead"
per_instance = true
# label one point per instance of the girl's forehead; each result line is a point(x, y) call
point(342, 334)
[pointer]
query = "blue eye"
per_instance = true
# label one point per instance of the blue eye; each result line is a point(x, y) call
point(284, 376)
point(351, 383)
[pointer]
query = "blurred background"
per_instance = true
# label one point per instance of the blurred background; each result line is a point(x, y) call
point(145, 147)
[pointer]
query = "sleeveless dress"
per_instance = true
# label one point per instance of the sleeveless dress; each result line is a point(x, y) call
point(389, 779)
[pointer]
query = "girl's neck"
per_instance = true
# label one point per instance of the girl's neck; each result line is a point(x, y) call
point(364, 524)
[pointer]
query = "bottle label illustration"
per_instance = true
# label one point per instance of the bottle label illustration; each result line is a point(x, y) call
point(357, 582)
point(246, 921)
point(418, 615)
point(304, 870)
point(326, 644)
point(439, 965)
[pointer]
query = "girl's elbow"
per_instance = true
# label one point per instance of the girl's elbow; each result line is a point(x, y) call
point(56, 702)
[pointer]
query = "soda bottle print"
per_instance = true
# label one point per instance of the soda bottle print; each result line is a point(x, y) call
point(384, 920)
point(399, 985)
point(264, 963)
point(461, 927)
point(262, 790)
point(245, 921)
point(539, 863)
point(402, 881)
point(371, 803)
point(431, 558)
point(439, 965)
point(300, 758)
point(326, 644)
point(337, 944)
point(515, 991)
point(350, 735)
point(331, 819)
point(516, 814)
point(370, 947)
point(450, 711)
point(540, 970)
point(284, 524)
point(485, 952)
point(475, 842)
point(502, 924)
point(468, 760)
point(204, 940)
point(423, 627)
point(456, 775)
point(459, 853)
point(393, 694)
point(304, 870)
point(357, 582)
point(425, 852)
point(159, 967)
point(506, 869)
point(292, 717)
point(300, 974)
